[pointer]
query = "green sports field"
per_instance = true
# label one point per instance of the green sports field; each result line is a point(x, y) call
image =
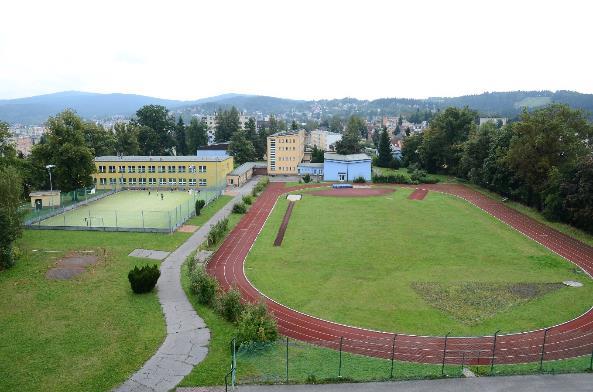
point(419, 267)
point(132, 209)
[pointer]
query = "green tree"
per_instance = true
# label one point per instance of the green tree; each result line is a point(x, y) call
point(475, 152)
point(294, 126)
point(273, 127)
point(411, 150)
point(282, 125)
point(251, 130)
point(197, 135)
point(385, 157)
point(7, 151)
point(65, 148)
point(10, 218)
point(101, 141)
point(126, 139)
point(241, 148)
point(336, 124)
point(357, 124)
point(180, 137)
point(317, 155)
point(157, 118)
point(227, 123)
point(350, 143)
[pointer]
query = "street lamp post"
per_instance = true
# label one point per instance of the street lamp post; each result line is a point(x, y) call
point(51, 188)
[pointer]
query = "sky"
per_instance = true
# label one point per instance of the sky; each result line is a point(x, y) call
point(305, 49)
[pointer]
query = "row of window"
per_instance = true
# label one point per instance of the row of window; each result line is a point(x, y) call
point(288, 148)
point(152, 169)
point(287, 158)
point(282, 168)
point(153, 181)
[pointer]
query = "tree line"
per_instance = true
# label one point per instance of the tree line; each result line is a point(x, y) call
point(544, 159)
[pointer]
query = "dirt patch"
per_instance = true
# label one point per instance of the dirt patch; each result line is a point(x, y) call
point(354, 192)
point(418, 194)
point(284, 225)
point(187, 228)
point(70, 266)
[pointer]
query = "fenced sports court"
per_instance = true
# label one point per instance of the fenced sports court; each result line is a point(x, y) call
point(127, 210)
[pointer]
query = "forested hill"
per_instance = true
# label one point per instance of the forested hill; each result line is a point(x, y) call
point(35, 110)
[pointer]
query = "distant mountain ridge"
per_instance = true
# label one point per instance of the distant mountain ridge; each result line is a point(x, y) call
point(36, 110)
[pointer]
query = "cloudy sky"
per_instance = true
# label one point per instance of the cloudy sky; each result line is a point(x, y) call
point(295, 49)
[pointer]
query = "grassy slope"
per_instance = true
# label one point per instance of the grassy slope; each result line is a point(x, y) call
point(89, 333)
point(357, 267)
point(208, 211)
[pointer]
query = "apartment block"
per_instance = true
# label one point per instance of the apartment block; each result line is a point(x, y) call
point(285, 152)
point(324, 140)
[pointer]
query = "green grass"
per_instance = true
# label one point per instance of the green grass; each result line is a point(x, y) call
point(89, 333)
point(134, 209)
point(208, 211)
point(355, 260)
point(443, 178)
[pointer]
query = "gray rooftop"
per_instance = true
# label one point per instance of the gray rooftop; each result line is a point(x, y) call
point(286, 133)
point(160, 158)
point(309, 164)
point(246, 167)
point(346, 158)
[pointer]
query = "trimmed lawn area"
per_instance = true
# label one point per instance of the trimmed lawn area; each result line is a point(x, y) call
point(208, 211)
point(89, 333)
point(369, 261)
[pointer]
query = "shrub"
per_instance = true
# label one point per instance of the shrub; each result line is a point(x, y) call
point(229, 305)
point(239, 208)
point(395, 178)
point(144, 279)
point(307, 178)
point(217, 231)
point(420, 176)
point(256, 325)
point(260, 186)
point(199, 205)
point(203, 286)
point(247, 199)
point(359, 180)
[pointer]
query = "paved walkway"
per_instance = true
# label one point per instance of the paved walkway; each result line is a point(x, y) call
point(538, 383)
point(186, 343)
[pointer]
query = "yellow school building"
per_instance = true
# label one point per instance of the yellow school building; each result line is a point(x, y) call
point(161, 172)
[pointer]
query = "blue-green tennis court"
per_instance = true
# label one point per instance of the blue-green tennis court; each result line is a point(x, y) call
point(131, 210)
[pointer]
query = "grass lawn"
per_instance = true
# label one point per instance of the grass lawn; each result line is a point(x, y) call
point(369, 262)
point(135, 209)
point(89, 333)
point(208, 211)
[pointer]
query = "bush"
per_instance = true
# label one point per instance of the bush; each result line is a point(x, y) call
point(217, 231)
point(239, 208)
point(144, 279)
point(256, 325)
point(307, 178)
point(359, 180)
point(247, 199)
point(260, 186)
point(229, 305)
point(199, 205)
point(395, 178)
point(203, 286)
point(420, 176)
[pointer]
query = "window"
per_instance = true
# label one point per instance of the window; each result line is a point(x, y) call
point(142, 181)
point(122, 181)
point(111, 169)
point(171, 181)
point(151, 169)
point(202, 169)
point(131, 169)
point(170, 169)
point(112, 181)
point(192, 182)
point(182, 181)
point(103, 181)
point(101, 169)
point(181, 169)
point(192, 169)
point(161, 169)
point(162, 181)
point(132, 181)
point(141, 169)
point(122, 169)
point(202, 182)
point(152, 181)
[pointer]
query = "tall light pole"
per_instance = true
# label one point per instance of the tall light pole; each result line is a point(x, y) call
point(51, 188)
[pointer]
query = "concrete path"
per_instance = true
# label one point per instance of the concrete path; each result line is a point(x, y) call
point(186, 343)
point(538, 383)
point(149, 254)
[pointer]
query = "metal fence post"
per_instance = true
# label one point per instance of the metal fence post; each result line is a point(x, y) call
point(142, 213)
point(340, 365)
point(392, 355)
point(115, 211)
point(287, 359)
point(444, 353)
point(170, 228)
point(591, 363)
point(493, 351)
point(541, 357)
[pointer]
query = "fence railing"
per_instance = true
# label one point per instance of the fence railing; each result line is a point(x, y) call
point(397, 357)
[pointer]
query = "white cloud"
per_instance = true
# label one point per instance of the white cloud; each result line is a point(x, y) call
point(298, 49)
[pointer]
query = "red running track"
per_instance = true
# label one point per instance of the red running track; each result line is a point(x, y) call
point(570, 339)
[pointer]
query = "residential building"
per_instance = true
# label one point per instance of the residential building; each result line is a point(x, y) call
point(338, 167)
point(313, 169)
point(495, 120)
point(324, 140)
point(161, 172)
point(210, 120)
point(214, 150)
point(285, 151)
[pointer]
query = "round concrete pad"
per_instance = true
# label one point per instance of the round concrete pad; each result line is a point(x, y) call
point(573, 283)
